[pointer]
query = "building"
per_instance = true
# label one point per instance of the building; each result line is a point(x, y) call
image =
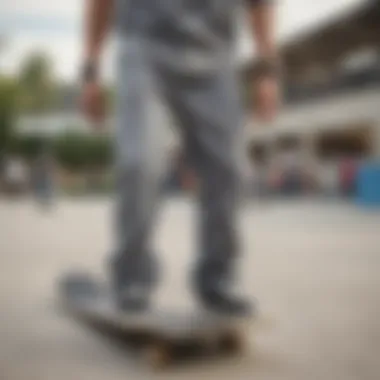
point(331, 107)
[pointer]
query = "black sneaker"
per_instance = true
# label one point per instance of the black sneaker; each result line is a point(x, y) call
point(221, 301)
point(133, 298)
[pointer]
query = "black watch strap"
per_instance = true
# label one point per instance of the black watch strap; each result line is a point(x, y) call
point(89, 72)
point(268, 68)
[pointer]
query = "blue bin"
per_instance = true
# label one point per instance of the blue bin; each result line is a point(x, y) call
point(368, 184)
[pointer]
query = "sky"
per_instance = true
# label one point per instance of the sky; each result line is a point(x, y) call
point(55, 28)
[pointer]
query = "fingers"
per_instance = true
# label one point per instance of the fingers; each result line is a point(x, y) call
point(92, 104)
point(267, 109)
point(93, 110)
point(267, 100)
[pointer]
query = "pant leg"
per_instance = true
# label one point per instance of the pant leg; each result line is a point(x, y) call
point(209, 113)
point(139, 166)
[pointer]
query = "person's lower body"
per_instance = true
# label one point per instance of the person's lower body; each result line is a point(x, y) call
point(207, 113)
point(44, 194)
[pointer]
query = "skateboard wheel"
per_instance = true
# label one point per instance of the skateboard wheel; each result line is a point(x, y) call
point(232, 342)
point(158, 355)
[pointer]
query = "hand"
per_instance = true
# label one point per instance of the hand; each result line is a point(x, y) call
point(93, 102)
point(267, 98)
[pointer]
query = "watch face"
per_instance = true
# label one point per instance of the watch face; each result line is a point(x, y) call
point(89, 72)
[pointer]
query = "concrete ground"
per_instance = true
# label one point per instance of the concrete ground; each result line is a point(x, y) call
point(313, 266)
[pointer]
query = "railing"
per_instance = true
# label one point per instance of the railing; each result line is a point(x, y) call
point(341, 84)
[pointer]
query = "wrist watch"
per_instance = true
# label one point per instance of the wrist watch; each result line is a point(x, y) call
point(268, 68)
point(89, 72)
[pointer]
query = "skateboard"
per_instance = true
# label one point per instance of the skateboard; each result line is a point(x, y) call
point(160, 336)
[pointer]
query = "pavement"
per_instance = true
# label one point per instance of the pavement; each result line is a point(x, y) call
point(312, 265)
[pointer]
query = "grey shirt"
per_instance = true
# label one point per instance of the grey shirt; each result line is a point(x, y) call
point(196, 31)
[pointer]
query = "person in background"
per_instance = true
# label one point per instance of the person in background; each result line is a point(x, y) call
point(182, 53)
point(15, 175)
point(348, 172)
point(42, 178)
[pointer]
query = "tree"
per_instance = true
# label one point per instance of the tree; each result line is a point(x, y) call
point(8, 110)
point(99, 152)
point(38, 89)
point(78, 151)
point(29, 146)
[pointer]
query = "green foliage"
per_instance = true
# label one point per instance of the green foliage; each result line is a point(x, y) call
point(74, 151)
point(71, 151)
point(77, 151)
point(99, 151)
point(8, 111)
point(38, 90)
point(28, 146)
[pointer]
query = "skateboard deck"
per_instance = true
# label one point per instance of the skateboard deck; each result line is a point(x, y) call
point(160, 335)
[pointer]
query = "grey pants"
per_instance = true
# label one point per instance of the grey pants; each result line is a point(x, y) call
point(207, 112)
